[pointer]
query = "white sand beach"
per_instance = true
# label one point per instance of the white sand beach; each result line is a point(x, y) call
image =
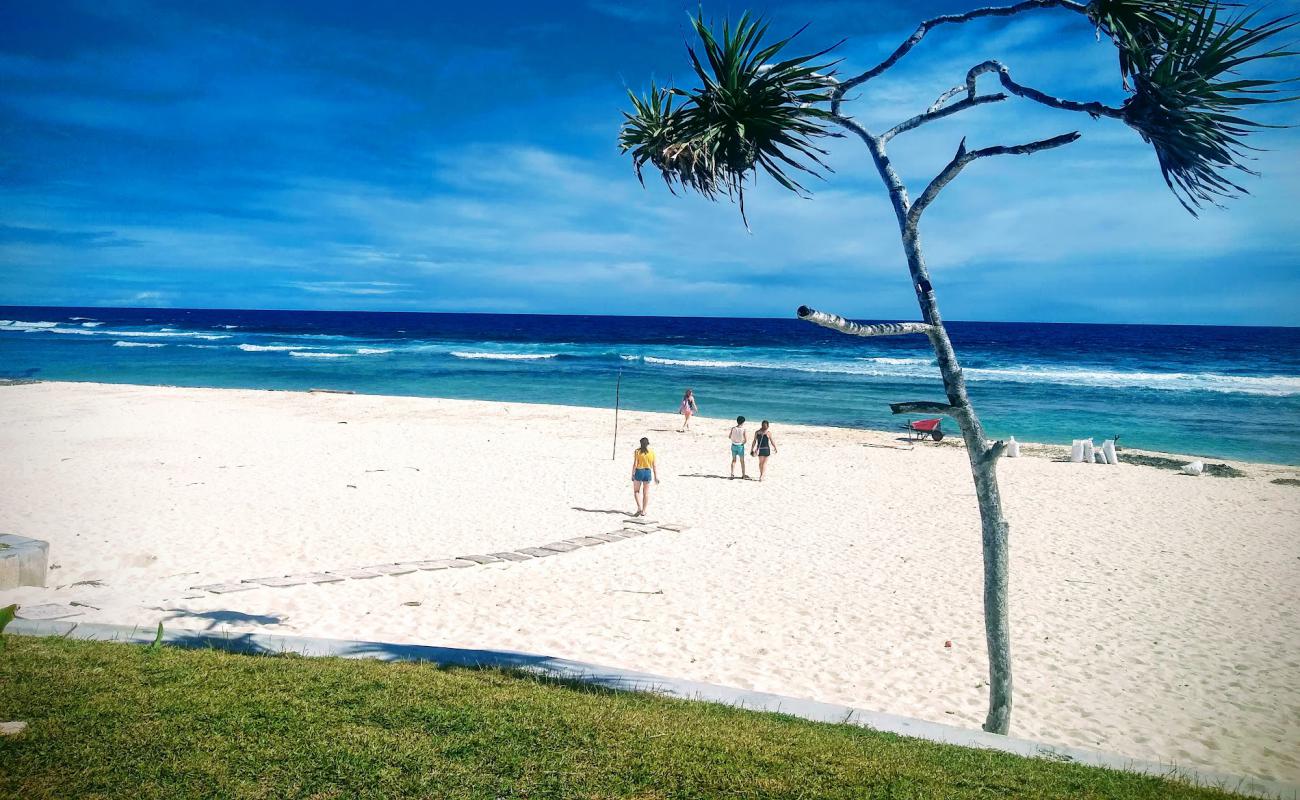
point(1154, 614)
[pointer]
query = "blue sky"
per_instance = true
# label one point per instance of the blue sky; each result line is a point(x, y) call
point(413, 157)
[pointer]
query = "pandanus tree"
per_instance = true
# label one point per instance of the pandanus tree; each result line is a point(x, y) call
point(1189, 68)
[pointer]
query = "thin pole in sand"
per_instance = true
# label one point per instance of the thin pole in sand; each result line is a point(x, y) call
point(618, 387)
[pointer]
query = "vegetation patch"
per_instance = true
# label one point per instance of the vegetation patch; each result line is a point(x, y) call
point(1223, 471)
point(1176, 464)
point(1286, 481)
point(221, 725)
point(1160, 462)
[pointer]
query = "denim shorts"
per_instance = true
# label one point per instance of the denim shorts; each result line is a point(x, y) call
point(737, 449)
point(643, 476)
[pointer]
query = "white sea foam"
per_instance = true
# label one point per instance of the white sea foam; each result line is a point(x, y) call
point(304, 354)
point(898, 361)
point(13, 325)
point(266, 348)
point(506, 356)
point(202, 346)
point(138, 344)
point(134, 334)
point(91, 324)
point(373, 351)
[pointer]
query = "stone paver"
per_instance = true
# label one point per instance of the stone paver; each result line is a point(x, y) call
point(481, 559)
point(670, 526)
point(587, 541)
point(538, 552)
point(512, 556)
point(640, 521)
point(226, 588)
point(561, 547)
point(12, 728)
point(46, 611)
point(392, 569)
point(355, 574)
point(627, 533)
point(607, 537)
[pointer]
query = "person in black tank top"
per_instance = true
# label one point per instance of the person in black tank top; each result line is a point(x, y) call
point(764, 446)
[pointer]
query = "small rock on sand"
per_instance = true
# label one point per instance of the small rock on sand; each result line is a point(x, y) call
point(12, 728)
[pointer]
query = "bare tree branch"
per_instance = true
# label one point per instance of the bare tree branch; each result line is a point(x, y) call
point(838, 323)
point(1093, 109)
point(924, 28)
point(965, 156)
point(994, 452)
point(922, 407)
point(939, 111)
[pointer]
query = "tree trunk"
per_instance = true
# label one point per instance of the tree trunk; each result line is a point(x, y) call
point(983, 463)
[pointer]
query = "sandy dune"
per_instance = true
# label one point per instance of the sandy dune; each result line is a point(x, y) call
point(1154, 614)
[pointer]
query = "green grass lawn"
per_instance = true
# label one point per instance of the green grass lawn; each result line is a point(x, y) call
point(117, 720)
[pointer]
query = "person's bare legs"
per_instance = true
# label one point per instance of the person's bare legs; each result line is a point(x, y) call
point(686, 421)
point(762, 467)
point(645, 497)
point(636, 487)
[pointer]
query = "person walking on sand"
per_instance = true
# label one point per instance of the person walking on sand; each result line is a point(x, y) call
point(687, 408)
point(739, 438)
point(643, 471)
point(764, 446)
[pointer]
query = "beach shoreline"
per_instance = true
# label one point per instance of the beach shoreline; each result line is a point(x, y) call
point(1150, 610)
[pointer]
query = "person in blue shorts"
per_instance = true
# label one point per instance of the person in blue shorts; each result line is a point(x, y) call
point(739, 438)
point(644, 469)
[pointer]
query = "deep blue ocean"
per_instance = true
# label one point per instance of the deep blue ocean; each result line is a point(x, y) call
point(1214, 391)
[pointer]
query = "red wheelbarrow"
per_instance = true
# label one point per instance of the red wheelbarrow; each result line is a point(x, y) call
point(921, 428)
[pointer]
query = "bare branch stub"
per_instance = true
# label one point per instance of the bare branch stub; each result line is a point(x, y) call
point(964, 157)
point(838, 323)
point(924, 28)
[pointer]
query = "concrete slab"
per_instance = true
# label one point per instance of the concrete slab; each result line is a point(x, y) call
point(561, 547)
point(628, 533)
point(23, 561)
point(12, 728)
point(355, 574)
point(460, 563)
point(640, 521)
point(608, 537)
point(481, 559)
point(46, 611)
point(226, 588)
point(392, 569)
point(512, 556)
point(587, 541)
point(671, 526)
point(538, 552)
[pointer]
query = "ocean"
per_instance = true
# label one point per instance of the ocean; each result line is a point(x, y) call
point(1226, 392)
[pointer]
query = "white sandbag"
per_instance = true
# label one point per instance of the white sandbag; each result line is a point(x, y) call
point(1013, 448)
point(1076, 451)
point(1194, 468)
point(1108, 447)
point(1088, 448)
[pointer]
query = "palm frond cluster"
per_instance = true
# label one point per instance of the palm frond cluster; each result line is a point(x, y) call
point(1185, 59)
point(749, 112)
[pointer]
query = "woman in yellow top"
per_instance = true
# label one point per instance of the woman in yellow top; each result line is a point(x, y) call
point(643, 471)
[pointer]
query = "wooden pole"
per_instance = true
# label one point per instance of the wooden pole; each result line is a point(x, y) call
point(618, 387)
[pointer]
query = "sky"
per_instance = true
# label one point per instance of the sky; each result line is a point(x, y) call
point(463, 157)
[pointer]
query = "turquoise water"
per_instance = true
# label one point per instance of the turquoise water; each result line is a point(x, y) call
point(1214, 391)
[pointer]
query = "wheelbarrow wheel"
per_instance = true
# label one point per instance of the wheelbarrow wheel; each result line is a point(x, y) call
point(937, 435)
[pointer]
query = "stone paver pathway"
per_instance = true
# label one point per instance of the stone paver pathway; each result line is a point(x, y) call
point(634, 527)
